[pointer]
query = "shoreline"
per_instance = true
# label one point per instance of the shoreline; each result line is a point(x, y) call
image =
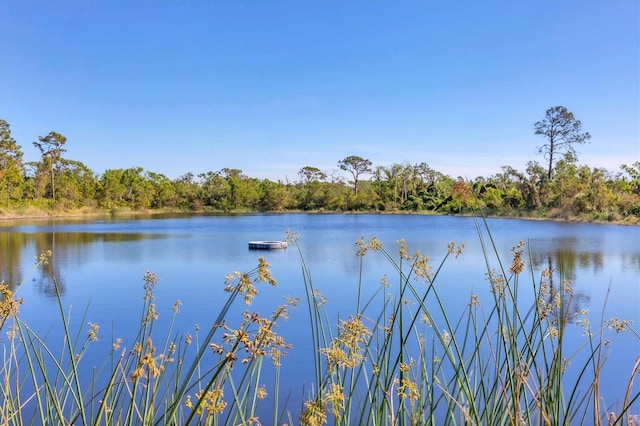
point(32, 213)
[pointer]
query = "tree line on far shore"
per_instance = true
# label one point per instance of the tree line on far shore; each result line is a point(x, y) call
point(559, 187)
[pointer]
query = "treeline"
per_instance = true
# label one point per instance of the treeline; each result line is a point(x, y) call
point(560, 188)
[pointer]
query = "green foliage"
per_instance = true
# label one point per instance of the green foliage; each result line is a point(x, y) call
point(126, 188)
point(77, 185)
point(51, 148)
point(572, 191)
point(561, 131)
point(11, 166)
point(356, 166)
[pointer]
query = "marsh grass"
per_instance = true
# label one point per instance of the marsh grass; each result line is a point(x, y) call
point(401, 357)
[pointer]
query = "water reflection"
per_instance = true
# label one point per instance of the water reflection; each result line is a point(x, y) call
point(102, 261)
point(568, 255)
point(19, 250)
point(577, 252)
point(11, 245)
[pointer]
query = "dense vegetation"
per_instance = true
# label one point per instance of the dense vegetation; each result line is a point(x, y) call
point(559, 187)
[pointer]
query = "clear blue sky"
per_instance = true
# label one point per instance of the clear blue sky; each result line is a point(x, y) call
point(271, 86)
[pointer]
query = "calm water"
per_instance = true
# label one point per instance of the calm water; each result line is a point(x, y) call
point(100, 264)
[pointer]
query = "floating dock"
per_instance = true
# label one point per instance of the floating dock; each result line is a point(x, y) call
point(267, 245)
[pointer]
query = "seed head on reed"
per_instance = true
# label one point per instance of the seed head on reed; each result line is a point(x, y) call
point(497, 282)
point(446, 337)
point(384, 281)
point(319, 298)
point(335, 398)
point(345, 350)
point(116, 344)
point(150, 281)
point(408, 389)
point(426, 320)
point(44, 257)
point(314, 413)
point(455, 250)
point(403, 249)
point(406, 367)
point(12, 332)
point(517, 264)
point(475, 300)
point(362, 247)
point(291, 236)
point(375, 244)
point(261, 392)
point(8, 305)
point(264, 273)
point(211, 401)
point(147, 366)
point(176, 306)
point(93, 331)
point(618, 325)
point(421, 266)
point(244, 285)
point(152, 314)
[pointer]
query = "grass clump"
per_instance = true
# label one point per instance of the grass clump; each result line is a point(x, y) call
point(402, 357)
point(210, 377)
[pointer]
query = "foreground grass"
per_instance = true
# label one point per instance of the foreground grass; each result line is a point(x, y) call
point(401, 357)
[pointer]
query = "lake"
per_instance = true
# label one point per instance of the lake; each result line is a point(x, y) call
point(99, 264)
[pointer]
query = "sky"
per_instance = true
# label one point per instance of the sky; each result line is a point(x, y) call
point(271, 86)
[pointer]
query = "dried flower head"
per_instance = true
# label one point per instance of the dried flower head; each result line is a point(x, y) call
point(348, 348)
point(421, 266)
point(517, 265)
point(150, 281)
point(618, 325)
point(314, 413)
point(209, 401)
point(375, 244)
point(408, 389)
point(335, 398)
point(403, 249)
point(176, 306)
point(8, 305)
point(362, 247)
point(93, 331)
point(43, 258)
point(498, 284)
point(453, 250)
point(116, 344)
point(243, 283)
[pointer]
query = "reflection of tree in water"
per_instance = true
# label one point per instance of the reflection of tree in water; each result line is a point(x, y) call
point(11, 245)
point(631, 261)
point(65, 247)
point(562, 264)
point(49, 280)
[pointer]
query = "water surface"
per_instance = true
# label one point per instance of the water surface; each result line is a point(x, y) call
point(99, 264)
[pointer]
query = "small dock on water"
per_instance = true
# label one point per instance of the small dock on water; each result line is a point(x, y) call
point(267, 245)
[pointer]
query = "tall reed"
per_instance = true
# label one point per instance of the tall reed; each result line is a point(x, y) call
point(403, 357)
point(177, 378)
